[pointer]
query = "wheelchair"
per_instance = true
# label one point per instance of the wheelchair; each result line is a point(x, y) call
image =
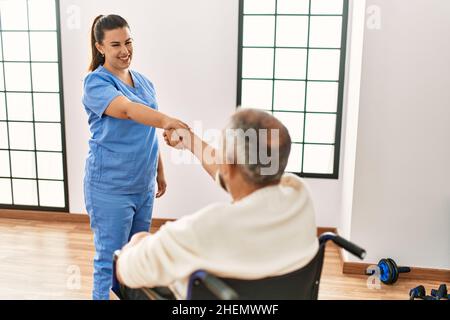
point(302, 284)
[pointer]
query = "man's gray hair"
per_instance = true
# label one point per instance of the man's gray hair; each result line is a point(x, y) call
point(259, 144)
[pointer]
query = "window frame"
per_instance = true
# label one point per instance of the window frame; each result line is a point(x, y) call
point(341, 84)
point(34, 122)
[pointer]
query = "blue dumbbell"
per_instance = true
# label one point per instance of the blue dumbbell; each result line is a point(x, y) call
point(419, 293)
point(440, 293)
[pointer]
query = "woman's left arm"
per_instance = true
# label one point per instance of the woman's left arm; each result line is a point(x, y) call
point(160, 179)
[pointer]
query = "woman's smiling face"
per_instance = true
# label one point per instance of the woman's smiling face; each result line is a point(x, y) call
point(117, 46)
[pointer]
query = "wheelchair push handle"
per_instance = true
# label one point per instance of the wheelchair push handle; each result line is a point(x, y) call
point(350, 247)
point(344, 243)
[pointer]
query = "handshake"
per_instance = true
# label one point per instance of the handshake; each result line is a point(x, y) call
point(179, 138)
point(177, 134)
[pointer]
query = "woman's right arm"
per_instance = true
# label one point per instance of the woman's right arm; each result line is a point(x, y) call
point(122, 108)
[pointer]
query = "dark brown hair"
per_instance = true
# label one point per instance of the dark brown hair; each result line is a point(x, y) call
point(101, 24)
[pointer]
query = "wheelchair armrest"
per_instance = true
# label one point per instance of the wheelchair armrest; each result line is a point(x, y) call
point(120, 290)
point(217, 287)
point(343, 243)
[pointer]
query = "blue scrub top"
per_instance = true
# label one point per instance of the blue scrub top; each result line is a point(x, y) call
point(123, 154)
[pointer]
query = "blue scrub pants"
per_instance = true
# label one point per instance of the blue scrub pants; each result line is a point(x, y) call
point(114, 219)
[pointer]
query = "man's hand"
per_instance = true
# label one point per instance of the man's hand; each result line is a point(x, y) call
point(138, 237)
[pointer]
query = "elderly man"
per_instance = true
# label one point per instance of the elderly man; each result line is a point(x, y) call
point(267, 230)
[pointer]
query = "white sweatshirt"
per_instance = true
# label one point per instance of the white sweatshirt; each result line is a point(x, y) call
point(270, 232)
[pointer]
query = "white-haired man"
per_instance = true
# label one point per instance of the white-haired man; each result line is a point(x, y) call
point(267, 230)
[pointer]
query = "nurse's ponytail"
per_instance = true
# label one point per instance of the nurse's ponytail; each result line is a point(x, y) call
point(99, 26)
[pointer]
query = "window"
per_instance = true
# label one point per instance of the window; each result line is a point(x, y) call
point(291, 64)
point(32, 145)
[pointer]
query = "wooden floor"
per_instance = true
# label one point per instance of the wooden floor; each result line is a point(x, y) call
point(53, 260)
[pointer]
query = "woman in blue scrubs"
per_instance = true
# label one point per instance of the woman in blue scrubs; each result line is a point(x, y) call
point(123, 162)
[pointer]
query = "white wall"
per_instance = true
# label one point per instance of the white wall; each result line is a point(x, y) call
point(189, 50)
point(401, 202)
point(357, 14)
